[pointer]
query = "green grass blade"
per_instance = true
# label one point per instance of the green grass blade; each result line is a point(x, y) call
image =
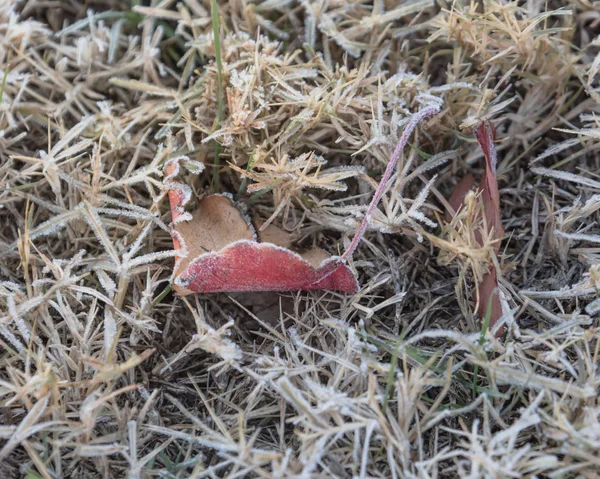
point(220, 107)
point(3, 86)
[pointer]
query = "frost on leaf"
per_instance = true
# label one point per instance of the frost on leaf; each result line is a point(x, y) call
point(218, 251)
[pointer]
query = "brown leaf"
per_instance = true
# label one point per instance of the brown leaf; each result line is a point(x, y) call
point(215, 223)
point(273, 234)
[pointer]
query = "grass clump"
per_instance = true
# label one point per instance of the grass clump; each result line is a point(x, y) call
point(297, 107)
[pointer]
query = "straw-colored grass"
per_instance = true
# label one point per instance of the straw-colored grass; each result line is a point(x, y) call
point(105, 373)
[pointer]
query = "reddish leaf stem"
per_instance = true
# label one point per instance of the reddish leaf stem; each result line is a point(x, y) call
point(412, 124)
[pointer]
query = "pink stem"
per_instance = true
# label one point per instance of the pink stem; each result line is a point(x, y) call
point(412, 124)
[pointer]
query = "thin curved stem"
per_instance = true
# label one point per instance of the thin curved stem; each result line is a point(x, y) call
point(412, 124)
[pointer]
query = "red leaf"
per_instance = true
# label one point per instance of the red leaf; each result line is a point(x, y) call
point(489, 185)
point(251, 266)
point(219, 252)
point(488, 288)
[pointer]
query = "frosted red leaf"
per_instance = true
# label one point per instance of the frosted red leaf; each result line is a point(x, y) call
point(221, 253)
point(218, 249)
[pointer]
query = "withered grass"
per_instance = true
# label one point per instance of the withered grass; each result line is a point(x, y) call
point(104, 373)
